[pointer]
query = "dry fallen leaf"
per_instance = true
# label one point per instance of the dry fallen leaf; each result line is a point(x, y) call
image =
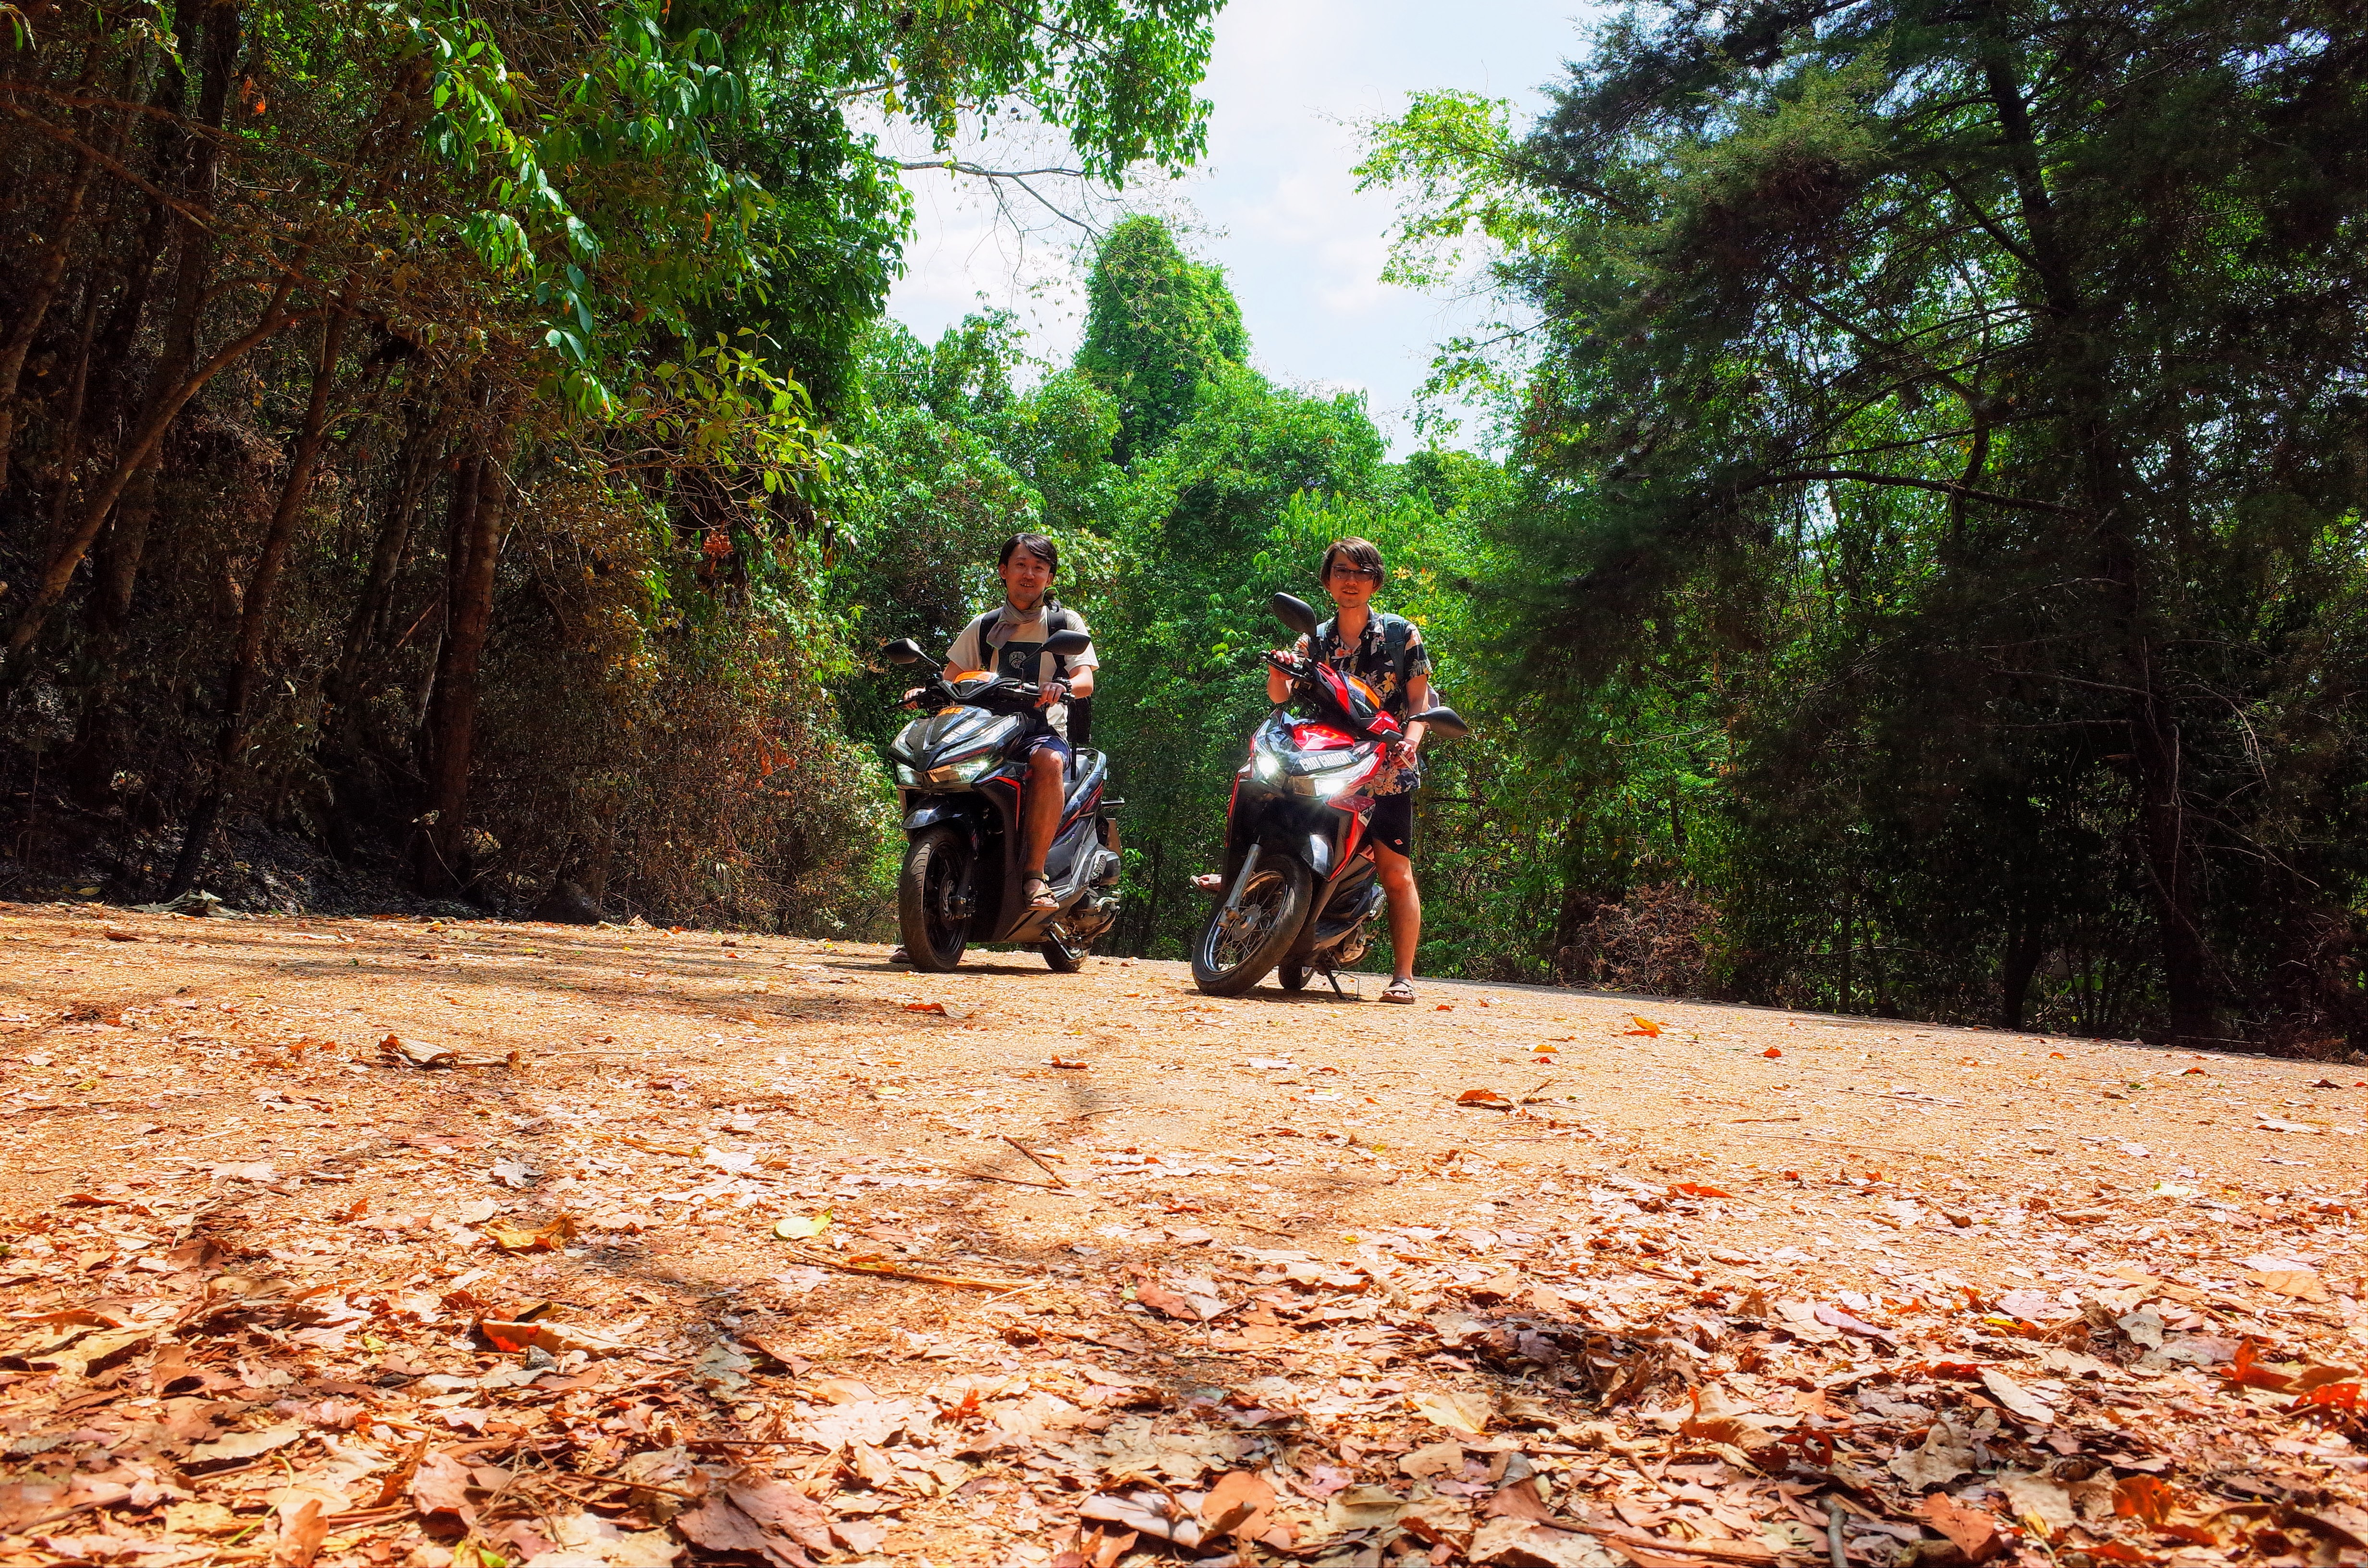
point(798, 1227)
point(2018, 1402)
point(1488, 1099)
point(511, 1238)
point(1466, 1413)
point(2299, 1284)
point(1975, 1532)
point(1241, 1504)
point(1645, 1026)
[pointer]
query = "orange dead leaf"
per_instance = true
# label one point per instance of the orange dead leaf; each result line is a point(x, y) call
point(1488, 1099)
point(1062, 1061)
point(1975, 1532)
point(510, 1238)
point(2330, 1397)
point(2244, 1373)
point(938, 1008)
point(1771, 1052)
point(1696, 1189)
point(2144, 1497)
point(1645, 1026)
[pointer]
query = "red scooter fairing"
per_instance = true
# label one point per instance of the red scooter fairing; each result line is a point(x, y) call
point(1356, 705)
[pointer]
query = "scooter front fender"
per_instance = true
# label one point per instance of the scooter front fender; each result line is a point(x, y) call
point(1302, 842)
point(932, 813)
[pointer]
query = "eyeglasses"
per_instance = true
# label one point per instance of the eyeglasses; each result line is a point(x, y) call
point(1355, 572)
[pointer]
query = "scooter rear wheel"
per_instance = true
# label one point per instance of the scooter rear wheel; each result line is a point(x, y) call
point(1290, 977)
point(936, 863)
point(1248, 933)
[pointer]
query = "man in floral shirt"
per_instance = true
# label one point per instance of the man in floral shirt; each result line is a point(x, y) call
point(1385, 651)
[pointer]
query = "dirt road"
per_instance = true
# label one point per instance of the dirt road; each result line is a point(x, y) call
point(1511, 1275)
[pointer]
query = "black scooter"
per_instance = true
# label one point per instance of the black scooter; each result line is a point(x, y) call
point(959, 776)
point(1300, 885)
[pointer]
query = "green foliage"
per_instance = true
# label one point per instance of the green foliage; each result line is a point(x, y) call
point(1904, 399)
point(603, 283)
point(1158, 326)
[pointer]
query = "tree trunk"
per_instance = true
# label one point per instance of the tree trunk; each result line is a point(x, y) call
point(452, 719)
point(28, 325)
point(2026, 944)
point(174, 382)
point(416, 469)
point(255, 614)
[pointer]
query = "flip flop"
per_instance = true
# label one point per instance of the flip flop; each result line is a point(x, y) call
point(1399, 990)
point(1038, 892)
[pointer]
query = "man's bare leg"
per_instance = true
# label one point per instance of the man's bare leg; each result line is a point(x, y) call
point(1039, 809)
point(1406, 908)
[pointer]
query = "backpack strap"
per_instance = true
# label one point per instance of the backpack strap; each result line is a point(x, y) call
point(1397, 635)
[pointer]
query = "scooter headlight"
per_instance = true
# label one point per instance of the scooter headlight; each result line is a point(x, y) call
point(1335, 781)
point(907, 775)
point(1267, 766)
point(969, 770)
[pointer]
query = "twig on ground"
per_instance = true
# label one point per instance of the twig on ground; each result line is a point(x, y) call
point(882, 1270)
point(1038, 1164)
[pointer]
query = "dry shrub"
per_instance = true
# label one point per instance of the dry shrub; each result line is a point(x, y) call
point(1660, 940)
point(665, 738)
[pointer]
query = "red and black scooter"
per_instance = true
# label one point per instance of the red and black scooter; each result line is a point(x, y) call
point(1300, 884)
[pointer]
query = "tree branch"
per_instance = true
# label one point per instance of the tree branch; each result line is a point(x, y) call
point(1943, 486)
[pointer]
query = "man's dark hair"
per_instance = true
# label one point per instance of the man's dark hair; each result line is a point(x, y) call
point(1037, 545)
point(1356, 551)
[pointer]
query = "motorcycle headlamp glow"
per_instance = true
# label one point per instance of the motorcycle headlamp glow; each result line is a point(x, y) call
point(1338, 781)
point(968, 770)
point(1267, 766)
point(907, 775)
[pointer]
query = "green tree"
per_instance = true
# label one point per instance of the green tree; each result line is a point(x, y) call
point(1960, 400)
point(1158, 326)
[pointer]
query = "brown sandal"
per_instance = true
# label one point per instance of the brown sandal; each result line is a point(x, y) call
point(1399, 990)
point(1038, 892)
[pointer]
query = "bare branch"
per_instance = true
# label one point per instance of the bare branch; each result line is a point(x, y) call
point(1943, 486)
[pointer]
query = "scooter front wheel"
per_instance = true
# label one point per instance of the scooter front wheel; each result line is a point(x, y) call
point(1249, 932)
point(932, 898)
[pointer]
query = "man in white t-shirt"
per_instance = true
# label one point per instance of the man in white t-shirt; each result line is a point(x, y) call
point(1009, 640)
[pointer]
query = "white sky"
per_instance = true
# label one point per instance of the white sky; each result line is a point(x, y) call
point(1274, 201)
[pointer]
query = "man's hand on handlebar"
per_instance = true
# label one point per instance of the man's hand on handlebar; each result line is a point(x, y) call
point(1053, 691)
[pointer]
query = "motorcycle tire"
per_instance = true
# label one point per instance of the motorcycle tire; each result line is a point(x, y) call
point(1290, 977)
point(1062, 959)
point(935, 864)
point(1280, 890)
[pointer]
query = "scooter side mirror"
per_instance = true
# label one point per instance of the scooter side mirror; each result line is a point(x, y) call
point(903, 650)
point(1445, 722)
point(1068, 642)
point(1293, 613)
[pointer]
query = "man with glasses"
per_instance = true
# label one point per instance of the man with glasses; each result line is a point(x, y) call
point(1385, 651)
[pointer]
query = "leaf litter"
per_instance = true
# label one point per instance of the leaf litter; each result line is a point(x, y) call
point(498, 1312)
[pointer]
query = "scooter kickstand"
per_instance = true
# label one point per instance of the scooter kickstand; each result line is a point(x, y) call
point(1335, 980)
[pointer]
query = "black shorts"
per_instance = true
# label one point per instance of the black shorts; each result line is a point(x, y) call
point(1392, 823)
